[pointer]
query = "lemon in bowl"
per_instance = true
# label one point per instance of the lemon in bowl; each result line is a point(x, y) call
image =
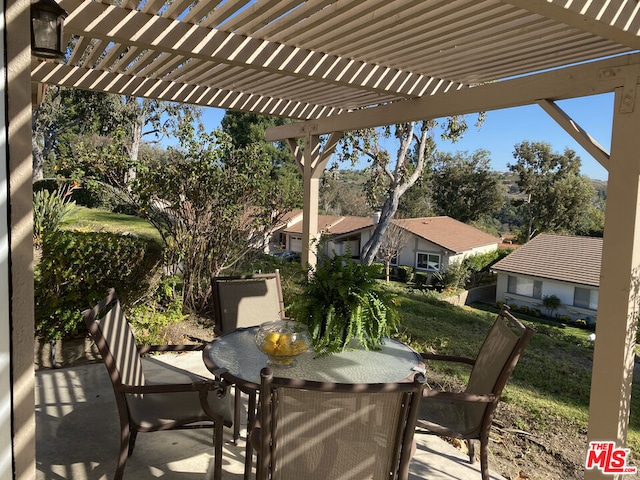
point(282, 341)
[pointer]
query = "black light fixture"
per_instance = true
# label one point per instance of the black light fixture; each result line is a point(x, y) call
point(47, 19)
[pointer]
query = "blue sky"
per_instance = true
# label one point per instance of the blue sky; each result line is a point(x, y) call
point(503, 129)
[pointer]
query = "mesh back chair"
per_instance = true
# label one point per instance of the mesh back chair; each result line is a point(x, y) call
point(468, 415)
point(171, 398)
point(246, 301)
point(316, 431)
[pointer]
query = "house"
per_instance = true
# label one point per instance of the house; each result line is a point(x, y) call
point(565, 266)
point(433, 242)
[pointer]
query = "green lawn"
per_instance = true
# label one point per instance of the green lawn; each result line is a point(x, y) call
point(552, 379)
point(94, 220)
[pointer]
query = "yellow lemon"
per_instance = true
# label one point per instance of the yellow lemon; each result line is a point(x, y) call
point(269, 347)
point(273, 337)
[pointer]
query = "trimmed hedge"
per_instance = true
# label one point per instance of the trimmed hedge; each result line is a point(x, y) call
point(404, 273)
point(78, 268)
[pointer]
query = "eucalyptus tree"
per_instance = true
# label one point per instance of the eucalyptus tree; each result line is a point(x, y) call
point(390, 178)
point(248, 129)
point(68, 116)
point(464, 187)
point(555, 196)
point(65, 114)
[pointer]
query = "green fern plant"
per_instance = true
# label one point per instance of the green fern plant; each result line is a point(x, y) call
point(342, 301)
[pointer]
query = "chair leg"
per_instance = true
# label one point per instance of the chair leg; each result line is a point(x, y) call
point(248, 460)
point(484, 456)
point(237, 406)
point(217, 447)
point(125, 448)
point(471, 450)
point(132, 441)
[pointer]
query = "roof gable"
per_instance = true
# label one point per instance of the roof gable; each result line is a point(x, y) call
point(557, 257)
point(447, 232)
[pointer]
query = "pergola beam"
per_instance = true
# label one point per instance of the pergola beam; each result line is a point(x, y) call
point(580, 135)
point(571, 82)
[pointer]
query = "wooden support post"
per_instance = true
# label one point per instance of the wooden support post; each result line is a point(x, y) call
point(619, 291)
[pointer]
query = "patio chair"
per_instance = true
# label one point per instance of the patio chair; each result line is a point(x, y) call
point(246, 301)
point(468, 415)
point(319, 430)
point(166, 397)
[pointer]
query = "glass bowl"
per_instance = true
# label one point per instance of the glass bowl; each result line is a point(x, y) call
point(282, 341)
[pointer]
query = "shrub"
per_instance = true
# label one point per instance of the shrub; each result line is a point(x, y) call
point(551, 303)
point(404, 273)
point(49, 209)
point(151, 321)
point(378, 270)
point(49, 184)
point(77, 269)
point(421, 280)
point(454, 277)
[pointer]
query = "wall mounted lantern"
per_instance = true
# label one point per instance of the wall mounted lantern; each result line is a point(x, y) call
point(47, 19)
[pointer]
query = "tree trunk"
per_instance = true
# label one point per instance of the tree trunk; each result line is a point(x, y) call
point(38, 160)
point(134, 149)
point(370, 249)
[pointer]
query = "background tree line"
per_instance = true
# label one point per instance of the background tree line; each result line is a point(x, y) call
point(542, 191)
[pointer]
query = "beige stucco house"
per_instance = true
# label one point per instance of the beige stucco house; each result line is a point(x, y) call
point(432, 244)
point(565, 266)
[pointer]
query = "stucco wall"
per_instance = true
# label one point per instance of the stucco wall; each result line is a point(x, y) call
point(564, 291)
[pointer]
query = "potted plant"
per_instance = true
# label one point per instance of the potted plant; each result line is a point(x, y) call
point(343, 301)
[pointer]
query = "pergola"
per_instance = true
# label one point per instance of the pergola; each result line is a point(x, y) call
point(335, 65)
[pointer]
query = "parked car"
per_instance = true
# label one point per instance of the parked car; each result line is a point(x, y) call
point(289, 255)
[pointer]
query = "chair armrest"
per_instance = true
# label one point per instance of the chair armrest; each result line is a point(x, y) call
point(204, 385)
point(458, 396)
point(447, 358)
point(170, 348)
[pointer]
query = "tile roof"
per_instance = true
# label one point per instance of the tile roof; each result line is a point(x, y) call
point(325, 223)
point(447, 232)
point(350, 225)
point(557, 257)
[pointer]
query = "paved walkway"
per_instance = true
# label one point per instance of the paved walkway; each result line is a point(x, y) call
point(77, 436)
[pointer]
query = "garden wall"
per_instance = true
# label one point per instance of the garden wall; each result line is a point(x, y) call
point(484, 294)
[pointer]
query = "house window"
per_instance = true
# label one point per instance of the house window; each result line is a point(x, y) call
point(428, 261)
point(525, 287)
point(585, 298)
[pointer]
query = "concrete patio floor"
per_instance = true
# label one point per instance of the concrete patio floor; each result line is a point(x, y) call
point(77, 436)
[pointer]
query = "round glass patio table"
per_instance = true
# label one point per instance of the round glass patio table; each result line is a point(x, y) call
point(236, 358)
